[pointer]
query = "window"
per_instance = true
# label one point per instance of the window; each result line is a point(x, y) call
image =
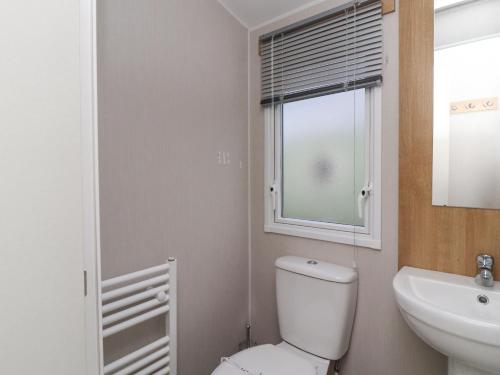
point(323, 167)
point(320, 89)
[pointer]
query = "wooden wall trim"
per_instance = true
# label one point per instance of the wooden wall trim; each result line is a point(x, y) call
point(438, 238)
point(388, 6)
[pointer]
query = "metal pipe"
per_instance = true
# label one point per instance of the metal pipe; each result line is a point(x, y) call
point(134, 287)
point(134, 321)
point(133, 299)
point(172, 316)
point(148, 305)
point(134, 275)
point(132, 369)
point(155, 366)
point(164, 371)
point(135, 355)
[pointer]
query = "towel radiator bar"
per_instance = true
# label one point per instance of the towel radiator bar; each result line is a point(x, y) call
point(134, 298)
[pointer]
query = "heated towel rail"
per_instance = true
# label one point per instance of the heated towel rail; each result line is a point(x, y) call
point(137, 297)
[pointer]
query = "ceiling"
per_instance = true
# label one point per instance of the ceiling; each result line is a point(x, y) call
point(253, 13)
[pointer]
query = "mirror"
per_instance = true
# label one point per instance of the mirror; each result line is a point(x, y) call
point(466, 154)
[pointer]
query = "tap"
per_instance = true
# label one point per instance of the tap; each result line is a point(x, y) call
point(485, 270)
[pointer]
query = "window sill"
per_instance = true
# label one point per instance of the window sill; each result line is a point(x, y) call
point(347, 238)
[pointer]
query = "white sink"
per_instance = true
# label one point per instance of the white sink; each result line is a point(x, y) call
point(444, 310)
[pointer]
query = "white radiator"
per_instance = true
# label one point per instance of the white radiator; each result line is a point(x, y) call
point(137, 297)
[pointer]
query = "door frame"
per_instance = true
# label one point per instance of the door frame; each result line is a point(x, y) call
point(90, 187)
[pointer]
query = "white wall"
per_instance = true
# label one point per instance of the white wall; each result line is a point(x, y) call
point(41, 318)
point(453, 25)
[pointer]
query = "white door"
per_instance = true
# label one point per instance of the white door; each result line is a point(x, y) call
point(41, 281)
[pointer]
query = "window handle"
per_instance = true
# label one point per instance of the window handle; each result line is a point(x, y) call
point(362, 197)
point(273, 190)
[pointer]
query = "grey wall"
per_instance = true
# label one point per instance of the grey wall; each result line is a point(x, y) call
point(172, 86)
point(382, 344)
point(172, 92)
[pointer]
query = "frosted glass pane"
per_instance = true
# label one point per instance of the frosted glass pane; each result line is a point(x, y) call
point(323, 158)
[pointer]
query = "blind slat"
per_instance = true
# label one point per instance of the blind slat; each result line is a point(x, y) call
point(331, 77)
point(323, 90)
point(339, 69)
point(341, 51)
point(342, 26)
point(319, 21)
point(342, 41)
point(323, 61)
point(333, 51)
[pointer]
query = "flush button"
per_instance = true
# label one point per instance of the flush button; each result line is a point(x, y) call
point(312, 262)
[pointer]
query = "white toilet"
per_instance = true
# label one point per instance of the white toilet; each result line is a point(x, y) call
point(316, 306)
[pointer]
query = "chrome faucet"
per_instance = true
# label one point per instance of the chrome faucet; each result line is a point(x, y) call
point(485, 270)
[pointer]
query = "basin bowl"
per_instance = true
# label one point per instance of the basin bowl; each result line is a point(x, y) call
point(453, 315)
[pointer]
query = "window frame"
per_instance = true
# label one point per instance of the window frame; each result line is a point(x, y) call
point(367, 236)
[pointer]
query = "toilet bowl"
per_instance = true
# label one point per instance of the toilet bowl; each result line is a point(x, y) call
point(316, 306)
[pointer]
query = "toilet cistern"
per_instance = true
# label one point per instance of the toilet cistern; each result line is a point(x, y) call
point(485, 270)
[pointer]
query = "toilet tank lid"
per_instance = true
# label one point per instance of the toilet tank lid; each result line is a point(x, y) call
point(317, 269)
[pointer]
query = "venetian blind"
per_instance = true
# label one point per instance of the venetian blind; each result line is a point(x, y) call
point(335, 51)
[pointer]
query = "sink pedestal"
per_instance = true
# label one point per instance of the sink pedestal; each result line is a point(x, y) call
point(458, 368)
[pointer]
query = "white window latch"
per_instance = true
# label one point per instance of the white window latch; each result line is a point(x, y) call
point(363, 196)
point(273, 189)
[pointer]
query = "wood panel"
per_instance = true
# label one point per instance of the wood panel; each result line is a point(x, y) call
point(438, 238)
point(388, 6)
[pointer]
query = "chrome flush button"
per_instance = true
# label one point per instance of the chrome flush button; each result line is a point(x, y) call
point(312, 262)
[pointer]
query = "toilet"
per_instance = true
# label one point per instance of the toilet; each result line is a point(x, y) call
point(316, 306)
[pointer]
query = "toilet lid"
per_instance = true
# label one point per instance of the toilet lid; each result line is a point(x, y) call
point(265, 360)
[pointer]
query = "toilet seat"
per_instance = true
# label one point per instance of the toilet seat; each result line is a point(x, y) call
point(266, 360)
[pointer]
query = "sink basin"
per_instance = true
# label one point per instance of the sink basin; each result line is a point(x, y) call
point(453, 315)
